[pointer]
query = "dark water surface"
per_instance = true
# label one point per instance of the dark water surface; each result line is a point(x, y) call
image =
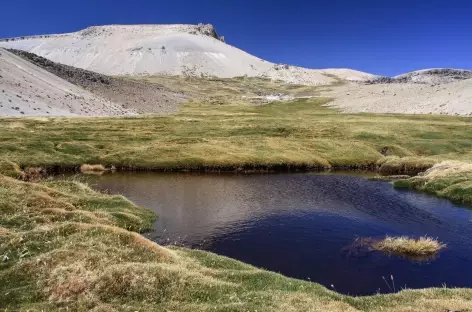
point(302, 225)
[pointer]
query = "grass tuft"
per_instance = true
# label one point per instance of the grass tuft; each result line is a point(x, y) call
point(86, 168)
point(10, 169)
point(423, 246)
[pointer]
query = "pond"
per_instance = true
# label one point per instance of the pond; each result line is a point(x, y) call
point(305, 225)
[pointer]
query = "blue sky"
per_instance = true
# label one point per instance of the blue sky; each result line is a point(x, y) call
point(381, 37)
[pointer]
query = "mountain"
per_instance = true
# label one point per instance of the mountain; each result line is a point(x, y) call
point(139, 96)
point(192, 50)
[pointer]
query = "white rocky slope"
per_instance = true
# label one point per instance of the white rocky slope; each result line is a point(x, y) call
point(166, 49)
point(28, 90)
point(454, 98)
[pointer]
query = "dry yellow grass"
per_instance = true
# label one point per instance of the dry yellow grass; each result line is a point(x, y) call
point(409, 164)
point(4, 231)
point(10, 168)
point(447, 168)
point(422, 246)
point(86, 168)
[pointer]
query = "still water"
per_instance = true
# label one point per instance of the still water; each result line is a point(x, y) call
point(304, 225)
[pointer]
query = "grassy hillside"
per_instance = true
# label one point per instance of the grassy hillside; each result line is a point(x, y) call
point(301, 133)
point(224, 90)
point(66, 247)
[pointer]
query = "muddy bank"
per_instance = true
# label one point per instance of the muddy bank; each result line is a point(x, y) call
point(281, 168)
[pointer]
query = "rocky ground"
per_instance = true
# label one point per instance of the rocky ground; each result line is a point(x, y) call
point(434, 76)
point(445, 91)
point(138, 96)
point(29, 90)
point(453, 98)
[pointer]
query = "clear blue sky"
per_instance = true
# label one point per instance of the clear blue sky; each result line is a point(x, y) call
point(377, 36)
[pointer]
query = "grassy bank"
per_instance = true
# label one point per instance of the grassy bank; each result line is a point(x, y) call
point(451, 180)
point(65, 247)
point(299, 134)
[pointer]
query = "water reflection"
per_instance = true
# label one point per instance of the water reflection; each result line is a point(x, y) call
point(300, 224)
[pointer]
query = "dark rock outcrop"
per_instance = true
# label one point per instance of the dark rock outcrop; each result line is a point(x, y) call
point(209, 30)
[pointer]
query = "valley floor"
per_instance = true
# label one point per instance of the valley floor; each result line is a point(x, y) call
point(299, 134)
point(64, 245)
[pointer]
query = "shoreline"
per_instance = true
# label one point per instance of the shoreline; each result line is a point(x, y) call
point(275, 168)
point(96, 260)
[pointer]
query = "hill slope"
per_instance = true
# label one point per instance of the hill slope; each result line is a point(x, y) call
point(453, 98)
point(166, 49)
point(26, 89)
point(433, 76)
point(138, 96)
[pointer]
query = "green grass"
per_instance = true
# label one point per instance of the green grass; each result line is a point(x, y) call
point(65, 247)
point(9, 168)
point(301, 133)
point(224, 90)
point(451, 180)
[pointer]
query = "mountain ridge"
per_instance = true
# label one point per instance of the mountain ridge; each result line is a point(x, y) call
point(174, 49)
